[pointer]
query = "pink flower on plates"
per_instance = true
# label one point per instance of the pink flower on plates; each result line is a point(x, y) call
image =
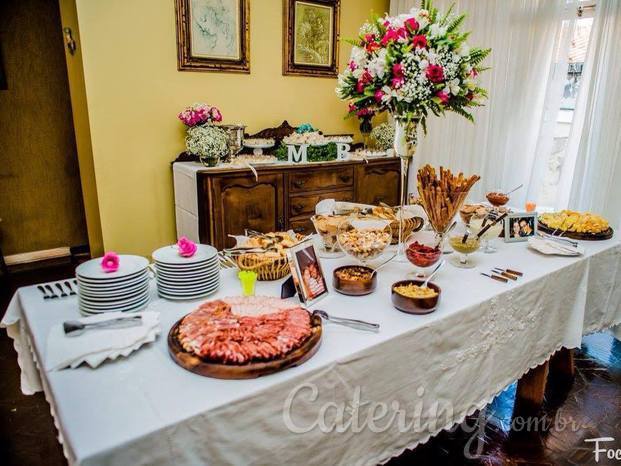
point(110, 262)
point(186, 247)
point(443, 96)
point(435, 73)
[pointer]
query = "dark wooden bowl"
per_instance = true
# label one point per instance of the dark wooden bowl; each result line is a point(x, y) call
point(354, 287)
point(415, 305)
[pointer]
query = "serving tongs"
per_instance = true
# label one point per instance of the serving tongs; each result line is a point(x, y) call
point(558, 239)
point(353, 323)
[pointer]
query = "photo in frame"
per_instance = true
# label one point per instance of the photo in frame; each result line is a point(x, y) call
point(310, 37)
point(520, 226)
point(307, 273)
point(213, 35)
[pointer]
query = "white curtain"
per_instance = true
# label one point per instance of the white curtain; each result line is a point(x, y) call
point(502, 144)
point(592, 172)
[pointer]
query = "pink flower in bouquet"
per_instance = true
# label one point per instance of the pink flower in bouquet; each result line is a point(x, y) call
point(435, 73)
point(364, 79)
point(364, 112)
point(215, 114)
point(443, 96)
point(351, 107)
point(352, 65)
point(397, 76)
point(474, 73)
point(110, 262)
point(186, 247)
point(372, 47)
point(368, 38)
point(393, 35)
point(379, 95)
point(419, 41)
point(412, 24)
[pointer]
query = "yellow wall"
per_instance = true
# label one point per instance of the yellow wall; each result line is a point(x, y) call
point(79, 107)
point(134, 92)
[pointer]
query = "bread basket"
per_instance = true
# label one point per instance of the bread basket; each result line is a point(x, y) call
point(267, 267)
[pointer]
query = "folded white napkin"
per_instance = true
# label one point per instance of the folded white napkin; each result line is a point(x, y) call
point(94, 346)
point(552, 247)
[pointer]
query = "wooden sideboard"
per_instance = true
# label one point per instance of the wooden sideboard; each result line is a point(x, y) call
point(230, 200)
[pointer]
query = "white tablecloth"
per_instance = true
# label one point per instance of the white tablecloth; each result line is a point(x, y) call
point(432, 370)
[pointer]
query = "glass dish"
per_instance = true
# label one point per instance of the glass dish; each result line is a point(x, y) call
point(364, 239)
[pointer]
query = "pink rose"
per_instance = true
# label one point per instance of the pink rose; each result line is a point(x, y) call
point(419, 41)
point(368, 38)
point(351, 107)
point(215, 114)
point(397, 70)
point(443, 96)
point(110, 262)
point(186, 247)
point(435, 73)
point(379, 95)
point(412, 24)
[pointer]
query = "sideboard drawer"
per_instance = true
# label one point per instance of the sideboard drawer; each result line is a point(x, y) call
point(299, 205)
point(313, 180)
point(303, 226)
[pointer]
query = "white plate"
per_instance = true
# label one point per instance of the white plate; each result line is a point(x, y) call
point(113, 288)
point(185, 297)
point(191, 289)
point(138, 307)
point(187, 286)
point(113, 296)
point(128, 265)
point(187, 267)
point(103, 306)
point(187, 276)
point(113, 281)
point(187, 290)
point(170, 255)
point(125, 308)
point(187, 271)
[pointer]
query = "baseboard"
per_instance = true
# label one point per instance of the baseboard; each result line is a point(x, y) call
point(36, 256)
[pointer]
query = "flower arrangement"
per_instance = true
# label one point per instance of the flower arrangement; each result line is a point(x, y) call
point(412, 65)
point(199, 114)
point(207, 142)
point(383, 135)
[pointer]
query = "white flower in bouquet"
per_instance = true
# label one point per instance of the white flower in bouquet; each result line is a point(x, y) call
point(383, 135)
point(206, 141)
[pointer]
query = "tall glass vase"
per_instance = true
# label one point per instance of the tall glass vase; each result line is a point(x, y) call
point(406, 139)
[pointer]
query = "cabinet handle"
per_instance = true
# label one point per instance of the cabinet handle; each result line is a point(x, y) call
point(297, 207)
point(345, 178)
point(299, 183)
point(281, 223)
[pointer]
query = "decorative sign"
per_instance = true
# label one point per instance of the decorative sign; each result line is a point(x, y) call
point(297, 153)
point(342, 150)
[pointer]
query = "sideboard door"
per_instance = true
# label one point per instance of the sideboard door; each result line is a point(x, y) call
point(376, 183)
point(242, 202)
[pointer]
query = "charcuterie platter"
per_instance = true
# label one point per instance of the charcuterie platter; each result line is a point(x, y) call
point(244, 338)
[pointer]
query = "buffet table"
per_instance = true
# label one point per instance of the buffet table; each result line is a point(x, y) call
point(428, 372)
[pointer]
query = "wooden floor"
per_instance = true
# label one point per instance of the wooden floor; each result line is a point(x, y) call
point(593, 402)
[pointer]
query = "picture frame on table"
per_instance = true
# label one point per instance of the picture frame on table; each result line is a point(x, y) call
point(310, 38)
point(520, 226)
point(213, 35)
point(308, 277)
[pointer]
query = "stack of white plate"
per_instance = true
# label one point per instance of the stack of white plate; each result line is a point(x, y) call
point(185, 278)
point(125, 290)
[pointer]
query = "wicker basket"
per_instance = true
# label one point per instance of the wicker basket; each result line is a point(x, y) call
point(267, 268)
point(410, 225)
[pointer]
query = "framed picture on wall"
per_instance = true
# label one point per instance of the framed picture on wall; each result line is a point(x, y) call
point(310, 37)
point(213, 35)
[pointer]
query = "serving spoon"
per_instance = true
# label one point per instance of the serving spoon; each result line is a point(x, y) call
point(438, 267)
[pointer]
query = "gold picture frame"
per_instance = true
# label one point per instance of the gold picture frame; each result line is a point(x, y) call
point(213, 35)
point(310, 37)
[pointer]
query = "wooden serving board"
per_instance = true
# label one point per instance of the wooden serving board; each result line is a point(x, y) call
point(252, 370)
point(607, 234)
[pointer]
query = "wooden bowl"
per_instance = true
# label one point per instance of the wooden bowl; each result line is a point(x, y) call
point(354, 287)
point(415, 305)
